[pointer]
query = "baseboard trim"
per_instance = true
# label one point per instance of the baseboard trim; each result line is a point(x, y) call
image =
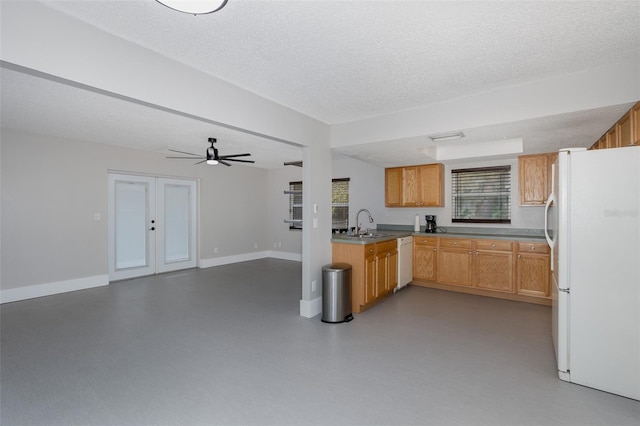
point(311, 308)
point(296, 257)
point(48, 289)
point(225, 260)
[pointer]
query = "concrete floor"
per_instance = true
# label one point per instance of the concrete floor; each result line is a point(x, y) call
point(226, 346)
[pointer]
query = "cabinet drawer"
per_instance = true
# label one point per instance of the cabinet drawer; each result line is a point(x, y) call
point(369, 250)
point(386, 246)
point(425, 241)
point(455, 242)
point(541, 248)
point(494, 245)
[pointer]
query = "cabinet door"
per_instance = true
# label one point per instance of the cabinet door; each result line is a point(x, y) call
point(369, 279)
point(410, 186)
point(392, 270)
point(386, 272)
point(533, 274)
point(425, 262)
point(455, 266)
point(635, 124)
point(494, 270)
point(624, 130)
point(612, 138)
point(532, 175)
point(430, 185)
point(393, 187)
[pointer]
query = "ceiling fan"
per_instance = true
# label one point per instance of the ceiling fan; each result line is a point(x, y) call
point(212, 156)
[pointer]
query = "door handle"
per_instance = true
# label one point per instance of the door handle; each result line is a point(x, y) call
point(153, 228)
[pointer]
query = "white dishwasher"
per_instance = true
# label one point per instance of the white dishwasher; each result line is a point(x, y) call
point(405, 262)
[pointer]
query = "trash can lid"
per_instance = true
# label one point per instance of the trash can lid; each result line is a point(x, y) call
point(336, 267)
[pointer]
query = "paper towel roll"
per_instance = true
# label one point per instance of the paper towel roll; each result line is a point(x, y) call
point(416, 224)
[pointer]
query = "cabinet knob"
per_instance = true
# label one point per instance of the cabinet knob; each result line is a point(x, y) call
point(477, 253)
point(493, 245)
point(435, 249)
point(455, 243)
point(532, 247)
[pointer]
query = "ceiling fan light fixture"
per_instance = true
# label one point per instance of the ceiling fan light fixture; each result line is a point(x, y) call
point(194, 7)
point(212, 162)
point(446, 136)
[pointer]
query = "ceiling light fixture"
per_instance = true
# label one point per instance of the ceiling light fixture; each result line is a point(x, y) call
point(194, 7)
point(447, 136)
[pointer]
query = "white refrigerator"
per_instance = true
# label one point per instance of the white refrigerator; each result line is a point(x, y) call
point(592, 223)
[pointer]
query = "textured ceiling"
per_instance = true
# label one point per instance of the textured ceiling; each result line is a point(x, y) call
point(340, 61)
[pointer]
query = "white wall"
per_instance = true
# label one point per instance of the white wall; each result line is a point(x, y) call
point(282, 239)
point(366, 189)
point(51, 189)
point(41, 41)
point(521, 217)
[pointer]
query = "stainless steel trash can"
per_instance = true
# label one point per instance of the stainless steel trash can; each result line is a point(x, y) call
point(336, 293)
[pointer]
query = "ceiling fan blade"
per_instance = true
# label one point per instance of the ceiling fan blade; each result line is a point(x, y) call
point(183, 152)
point(186, 158)
point(235, 155)
point(224, 162)
point(240, 161)
point(200, 162)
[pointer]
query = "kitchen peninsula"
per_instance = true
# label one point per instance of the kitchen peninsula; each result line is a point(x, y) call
point(500, 263)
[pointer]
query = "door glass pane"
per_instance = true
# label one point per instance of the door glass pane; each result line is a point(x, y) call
point(176, 206)
point(130, 224)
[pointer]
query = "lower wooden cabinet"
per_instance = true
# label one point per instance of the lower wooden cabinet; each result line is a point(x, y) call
point(425, 258)
point(374, 270)
point(455, 262)
point(494, 265)
point(533, 267)
point(496, 268)
point(386, 267)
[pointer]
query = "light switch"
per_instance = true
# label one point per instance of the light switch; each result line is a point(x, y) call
point(97, 216)
point(315, 208)
point(315, 222)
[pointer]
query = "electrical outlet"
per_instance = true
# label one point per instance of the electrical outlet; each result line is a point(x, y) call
point(255, 245)
point(215, 250)
point(313, 285)
point(279, 243)
point(97, 216)
point(275, 245)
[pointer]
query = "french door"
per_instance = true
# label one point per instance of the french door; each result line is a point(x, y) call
point(152, 225)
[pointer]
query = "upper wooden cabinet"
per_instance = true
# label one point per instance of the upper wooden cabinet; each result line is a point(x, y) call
point(393, 187)
point(414, 186)
point(626, 132)
point(635, 124)
point(534, 178)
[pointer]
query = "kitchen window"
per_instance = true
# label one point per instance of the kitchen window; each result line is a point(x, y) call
point(339, 204)
point(481, 195)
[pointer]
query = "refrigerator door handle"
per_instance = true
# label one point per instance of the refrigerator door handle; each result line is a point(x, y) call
point(547, 205)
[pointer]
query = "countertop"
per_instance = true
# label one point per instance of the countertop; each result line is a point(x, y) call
point(386, 235)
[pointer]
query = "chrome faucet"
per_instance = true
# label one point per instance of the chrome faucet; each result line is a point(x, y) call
point(358, 219)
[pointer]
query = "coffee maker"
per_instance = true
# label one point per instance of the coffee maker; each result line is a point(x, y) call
point(431, 223)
